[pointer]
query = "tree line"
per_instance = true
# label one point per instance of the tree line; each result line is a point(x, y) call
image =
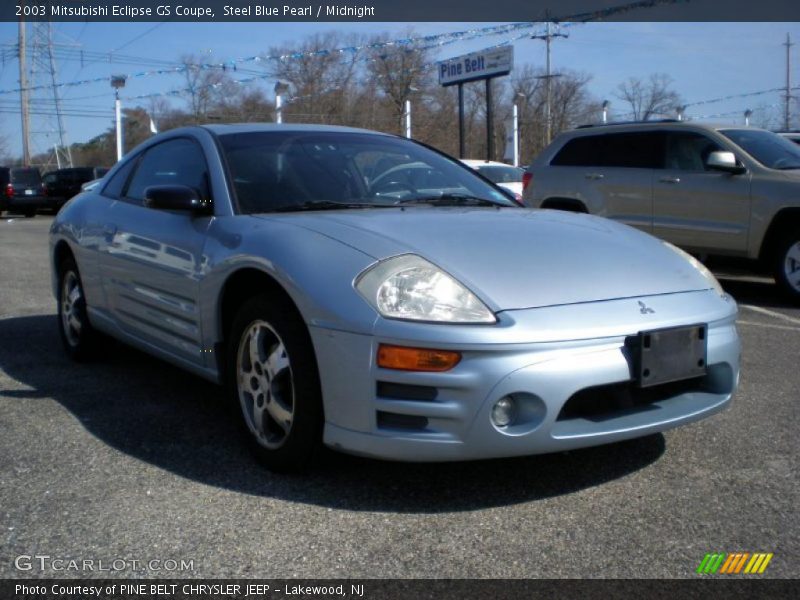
point(368, 88)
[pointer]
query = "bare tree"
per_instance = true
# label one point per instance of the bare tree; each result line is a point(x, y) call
point(399, 72)
point(208, 87)
point(571, 105)
point(320, 75)
point(651, 98)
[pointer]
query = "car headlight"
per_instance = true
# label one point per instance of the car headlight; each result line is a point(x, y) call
point(409, 287)
point(701, 268)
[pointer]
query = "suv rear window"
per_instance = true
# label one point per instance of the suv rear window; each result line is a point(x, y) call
point(26, 176)
point(638, 150)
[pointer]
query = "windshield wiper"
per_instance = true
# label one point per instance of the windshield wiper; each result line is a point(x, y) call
point(325, 205)
point(450, 200)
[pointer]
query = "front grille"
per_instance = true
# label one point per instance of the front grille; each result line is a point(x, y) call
point(604, 402)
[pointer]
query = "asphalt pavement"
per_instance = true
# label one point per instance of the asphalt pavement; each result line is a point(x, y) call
point(129, 459)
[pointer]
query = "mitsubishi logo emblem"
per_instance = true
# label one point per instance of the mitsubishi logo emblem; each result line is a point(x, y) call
point(644, 309)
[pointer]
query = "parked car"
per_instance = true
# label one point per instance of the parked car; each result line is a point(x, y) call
point(711, 190)
point(342, 305)
point(63, 184)
point(792, 136)
point(506, 176)
point(22, 190)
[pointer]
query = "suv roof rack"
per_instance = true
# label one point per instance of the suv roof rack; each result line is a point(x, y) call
point(587, 125)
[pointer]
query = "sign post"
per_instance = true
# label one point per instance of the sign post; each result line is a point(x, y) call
point(484, 64)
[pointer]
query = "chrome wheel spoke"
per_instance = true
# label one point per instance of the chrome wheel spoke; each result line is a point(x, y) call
point(277, 361)
point(258, 413)
point(74, 323)
point(74, 295)
point(280, 414)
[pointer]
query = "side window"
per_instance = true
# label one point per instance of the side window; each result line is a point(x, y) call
point(113, 189)
point(688, 151)
point(174, 162)
point(636, 150)
point(584, 151)
point(639, 150)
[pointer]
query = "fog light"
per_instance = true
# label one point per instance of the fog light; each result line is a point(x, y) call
point(504, 412)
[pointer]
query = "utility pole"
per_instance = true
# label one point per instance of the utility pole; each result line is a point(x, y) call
point(23, 96)
point(786, 119)
point(548, 37)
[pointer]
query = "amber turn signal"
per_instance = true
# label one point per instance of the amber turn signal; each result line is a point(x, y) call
point(416, 359)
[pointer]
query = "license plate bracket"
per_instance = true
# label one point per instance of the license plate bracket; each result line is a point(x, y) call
point(670, 354)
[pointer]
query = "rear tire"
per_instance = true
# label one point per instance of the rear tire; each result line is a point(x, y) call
point(79, 338)
point(786, 267)
point(273, 384)
point(29, 214)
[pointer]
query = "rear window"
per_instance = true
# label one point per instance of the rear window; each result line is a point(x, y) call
point(26, 176)
point(639, 150)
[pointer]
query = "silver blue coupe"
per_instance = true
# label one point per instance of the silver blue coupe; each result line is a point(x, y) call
point(366, 292)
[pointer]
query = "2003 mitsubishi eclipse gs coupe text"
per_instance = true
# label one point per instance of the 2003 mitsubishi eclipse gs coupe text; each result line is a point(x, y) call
point(410, 314)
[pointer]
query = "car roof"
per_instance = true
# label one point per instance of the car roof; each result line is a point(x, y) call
point(664, 125)
point(228, 128)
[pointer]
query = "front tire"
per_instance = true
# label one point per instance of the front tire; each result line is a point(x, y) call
point(77, 334)
point(787, 265)
point(273, 383)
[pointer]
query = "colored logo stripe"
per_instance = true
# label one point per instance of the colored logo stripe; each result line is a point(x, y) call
point(734, 563)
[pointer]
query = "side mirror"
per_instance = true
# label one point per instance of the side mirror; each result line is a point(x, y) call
point(720, 160)
point(174, 197)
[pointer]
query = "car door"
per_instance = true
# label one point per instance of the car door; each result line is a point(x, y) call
point(695, 207)
point(611, 173)
point(152, 266)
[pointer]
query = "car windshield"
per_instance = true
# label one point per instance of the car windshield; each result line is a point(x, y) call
point(768, 148)
point(26, 176)
point(499, 174)
point(296, 170)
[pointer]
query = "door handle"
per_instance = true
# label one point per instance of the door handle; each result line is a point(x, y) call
point(593, 176)
point(670, 180)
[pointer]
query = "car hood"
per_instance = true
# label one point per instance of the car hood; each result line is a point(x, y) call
point(516, 258)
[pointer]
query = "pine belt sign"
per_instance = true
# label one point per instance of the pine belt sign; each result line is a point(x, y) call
point(484, 64)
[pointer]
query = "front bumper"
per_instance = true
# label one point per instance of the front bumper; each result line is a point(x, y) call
point(25, 202)
point(544, 357)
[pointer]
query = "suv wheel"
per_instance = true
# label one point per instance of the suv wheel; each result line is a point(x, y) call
point(274, 384)
point(787, 265)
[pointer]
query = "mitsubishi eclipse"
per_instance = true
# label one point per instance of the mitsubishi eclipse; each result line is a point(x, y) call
point(366, 292)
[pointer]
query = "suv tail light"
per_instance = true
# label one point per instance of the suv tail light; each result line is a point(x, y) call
point(527, 177)
point(9, 191)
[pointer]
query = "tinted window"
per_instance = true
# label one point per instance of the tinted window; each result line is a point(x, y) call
point(174, 162)
point(768, 148)
point(687, 151)
point(26, 176)
point(643, 150)
point(117, 183)
point(281, 170)
point(499, 174)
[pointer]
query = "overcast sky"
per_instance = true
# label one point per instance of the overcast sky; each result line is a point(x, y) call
point(706, 61)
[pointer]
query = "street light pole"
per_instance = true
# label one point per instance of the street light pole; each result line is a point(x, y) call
point(117, 82)
point(280, 89)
